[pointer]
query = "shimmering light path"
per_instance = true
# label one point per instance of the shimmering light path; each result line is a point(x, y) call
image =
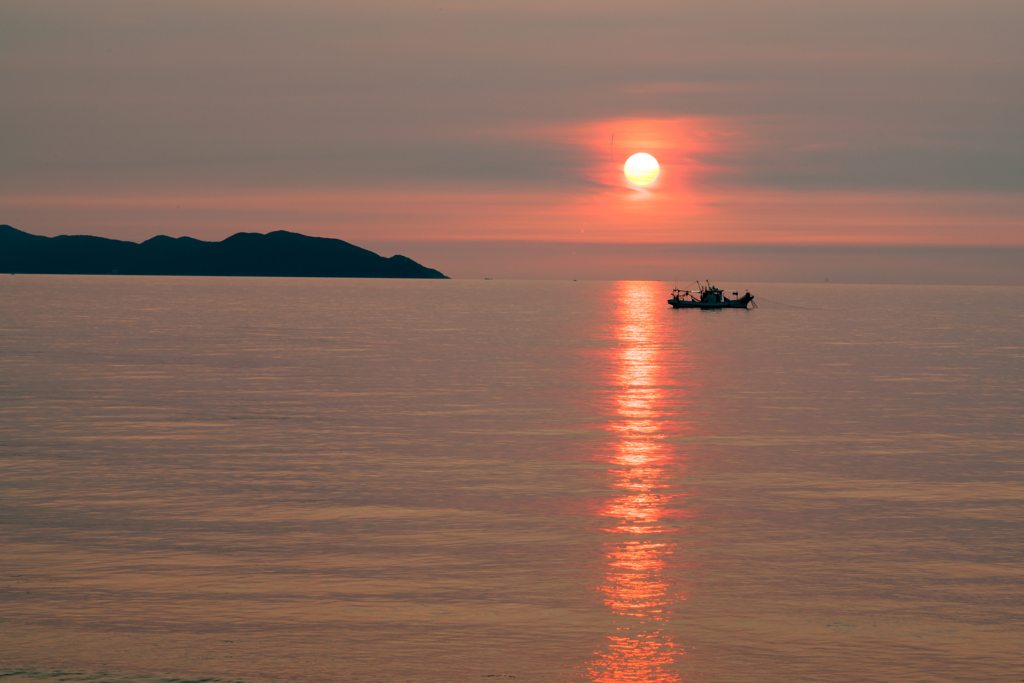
point(637, 589)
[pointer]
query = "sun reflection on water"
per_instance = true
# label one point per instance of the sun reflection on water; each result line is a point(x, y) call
point(637, 587)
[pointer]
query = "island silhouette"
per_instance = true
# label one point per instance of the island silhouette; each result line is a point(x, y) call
point(276, 254)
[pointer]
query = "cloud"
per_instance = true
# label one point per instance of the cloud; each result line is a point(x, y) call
point(395, 100)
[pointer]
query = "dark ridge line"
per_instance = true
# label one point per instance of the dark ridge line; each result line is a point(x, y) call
point(250, 254)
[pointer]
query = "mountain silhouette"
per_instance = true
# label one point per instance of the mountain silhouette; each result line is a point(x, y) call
point(276, 254)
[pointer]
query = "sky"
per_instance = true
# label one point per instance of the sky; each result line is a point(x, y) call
point(880, 141)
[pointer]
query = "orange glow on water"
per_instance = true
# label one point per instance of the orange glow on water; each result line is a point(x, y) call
point(637, 588)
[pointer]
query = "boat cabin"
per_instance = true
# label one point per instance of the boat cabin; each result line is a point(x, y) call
point(712, 295)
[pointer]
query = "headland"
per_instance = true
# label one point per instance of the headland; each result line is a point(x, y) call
point(276, 254)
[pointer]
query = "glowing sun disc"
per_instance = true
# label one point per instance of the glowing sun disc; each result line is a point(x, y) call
point(641, 169)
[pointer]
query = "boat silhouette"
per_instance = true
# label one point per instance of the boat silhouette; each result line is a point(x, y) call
point(708, 296)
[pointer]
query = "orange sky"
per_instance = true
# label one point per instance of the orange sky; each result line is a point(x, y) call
point(867, 123)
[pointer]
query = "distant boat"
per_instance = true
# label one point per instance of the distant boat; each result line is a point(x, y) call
point(708, 297)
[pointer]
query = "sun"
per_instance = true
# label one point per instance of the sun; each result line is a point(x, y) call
point(642, 169)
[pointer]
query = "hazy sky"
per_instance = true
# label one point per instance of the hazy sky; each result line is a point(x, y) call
point(775, 122)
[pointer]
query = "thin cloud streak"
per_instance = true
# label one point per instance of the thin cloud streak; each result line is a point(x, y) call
point(742, 218)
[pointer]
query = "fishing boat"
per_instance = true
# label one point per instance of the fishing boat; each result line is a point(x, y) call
point(708, 296)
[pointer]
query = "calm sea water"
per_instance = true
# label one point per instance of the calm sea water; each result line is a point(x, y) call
point(354, 480)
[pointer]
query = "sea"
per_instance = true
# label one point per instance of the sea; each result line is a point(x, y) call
point(316, 480)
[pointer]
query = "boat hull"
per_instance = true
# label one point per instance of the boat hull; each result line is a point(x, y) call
point(736, 303)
